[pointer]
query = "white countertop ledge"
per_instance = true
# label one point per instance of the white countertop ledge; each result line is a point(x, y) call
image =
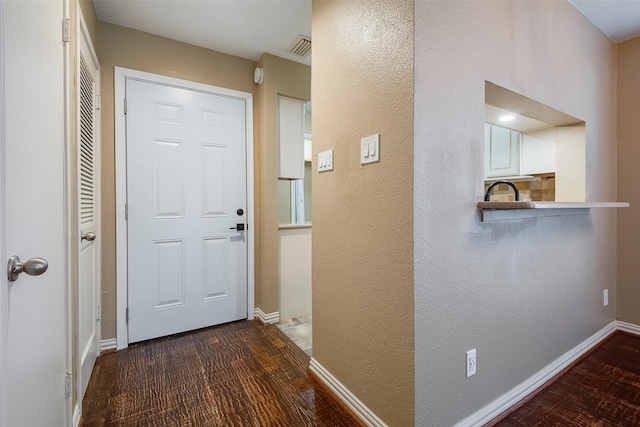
point(551, 205)
point(294, 226)
point(507, 211)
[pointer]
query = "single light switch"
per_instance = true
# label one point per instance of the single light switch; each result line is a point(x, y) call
point(370, 149)
point(365, 151)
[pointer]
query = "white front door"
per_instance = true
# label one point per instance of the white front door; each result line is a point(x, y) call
point(186, 194)
point(88, 208)
point(33, 310)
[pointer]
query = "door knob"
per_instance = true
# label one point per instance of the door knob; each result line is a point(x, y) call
point(89, 237)
point(33, 267)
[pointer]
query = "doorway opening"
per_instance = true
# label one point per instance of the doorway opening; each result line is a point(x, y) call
point(294, 218)
point(213, 119)
point(539, 149)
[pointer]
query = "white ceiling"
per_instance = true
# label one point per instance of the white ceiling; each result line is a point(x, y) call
point(521, 123)
point(244, 28)
point(247, 28)
point(618, 19)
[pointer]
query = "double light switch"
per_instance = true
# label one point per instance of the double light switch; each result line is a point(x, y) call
point(370, 149)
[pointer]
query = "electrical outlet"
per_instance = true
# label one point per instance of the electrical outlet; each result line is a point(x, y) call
point(605, 301)
point(471, 362)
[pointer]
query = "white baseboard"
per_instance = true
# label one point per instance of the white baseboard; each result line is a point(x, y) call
point(524, 389)
point(267, 319)
point(629, 327)
point(343, 393)
point(109, 344)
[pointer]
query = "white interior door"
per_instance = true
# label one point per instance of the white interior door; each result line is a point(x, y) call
point(88, 178)
point(33, 309)
point(186, 192)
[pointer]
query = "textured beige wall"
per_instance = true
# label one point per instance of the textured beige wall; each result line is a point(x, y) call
point(520, 292)
point(629, 180)
point(570, 164)
point(362, 84)
point(123, 47)
point(281, 77)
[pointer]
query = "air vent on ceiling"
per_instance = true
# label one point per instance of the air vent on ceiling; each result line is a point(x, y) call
point(301, 46)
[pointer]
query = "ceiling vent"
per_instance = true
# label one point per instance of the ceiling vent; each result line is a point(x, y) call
point(301, 46)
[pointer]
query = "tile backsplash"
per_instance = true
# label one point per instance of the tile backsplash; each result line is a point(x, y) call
point(542, 189)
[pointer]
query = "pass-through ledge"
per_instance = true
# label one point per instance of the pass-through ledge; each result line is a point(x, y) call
point(505, 211)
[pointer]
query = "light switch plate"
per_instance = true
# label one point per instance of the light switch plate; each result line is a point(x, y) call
point(370, 149)
point(325, 161)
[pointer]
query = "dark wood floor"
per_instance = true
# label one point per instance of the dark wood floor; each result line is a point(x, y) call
point(603, 389)
point(239, 374)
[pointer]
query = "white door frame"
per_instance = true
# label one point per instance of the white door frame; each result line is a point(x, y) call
point(69, 217)
point(120, 75)
point(84, 39)
point(4, 291)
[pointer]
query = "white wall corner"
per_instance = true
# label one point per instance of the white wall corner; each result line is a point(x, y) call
point(343, 393)
point(107, 345)
point(267, 319)
point(524, 389)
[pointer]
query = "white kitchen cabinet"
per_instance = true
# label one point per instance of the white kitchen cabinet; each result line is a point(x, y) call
point(290, 138)
point(501, 151)
point(538, 152)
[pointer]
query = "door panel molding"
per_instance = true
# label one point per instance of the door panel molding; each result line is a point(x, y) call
point(120, 77)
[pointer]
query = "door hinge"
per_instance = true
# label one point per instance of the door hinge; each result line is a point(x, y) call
point(66, 28)
point(127, 315)
point(125, 105)
point(99, 313)
point(126, 211)
point(68, 382)
point(98, 101)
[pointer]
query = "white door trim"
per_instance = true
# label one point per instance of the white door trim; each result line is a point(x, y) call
point(69, 214)
point(120, 75)
point(84, 41)
point(4, 290)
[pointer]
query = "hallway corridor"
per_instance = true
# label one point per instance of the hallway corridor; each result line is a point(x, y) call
point(238, 374)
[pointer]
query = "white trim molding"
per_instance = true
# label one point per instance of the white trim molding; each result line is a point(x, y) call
point(524, 389)
point(265, 318)
point(628, 327)
point(360, 409)
point(120, 75)
point(4, 289)
point(106, 345)
point(76, 415)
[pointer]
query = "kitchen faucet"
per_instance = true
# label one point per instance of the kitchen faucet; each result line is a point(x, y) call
point(487, 195)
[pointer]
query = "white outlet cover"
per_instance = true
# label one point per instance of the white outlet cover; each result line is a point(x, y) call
point(605, 301)
point(471, 362)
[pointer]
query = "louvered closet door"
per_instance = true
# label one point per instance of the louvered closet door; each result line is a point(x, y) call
point(88, 311)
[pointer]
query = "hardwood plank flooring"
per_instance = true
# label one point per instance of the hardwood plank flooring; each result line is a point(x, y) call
point(239, 374)
point(602, 389)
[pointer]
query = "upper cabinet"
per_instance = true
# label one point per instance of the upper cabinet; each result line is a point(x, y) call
point(290, 138)
point(501, 151)
point(538, 152)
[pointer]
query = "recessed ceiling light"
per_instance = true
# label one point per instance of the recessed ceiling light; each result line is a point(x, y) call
point(507, 118)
